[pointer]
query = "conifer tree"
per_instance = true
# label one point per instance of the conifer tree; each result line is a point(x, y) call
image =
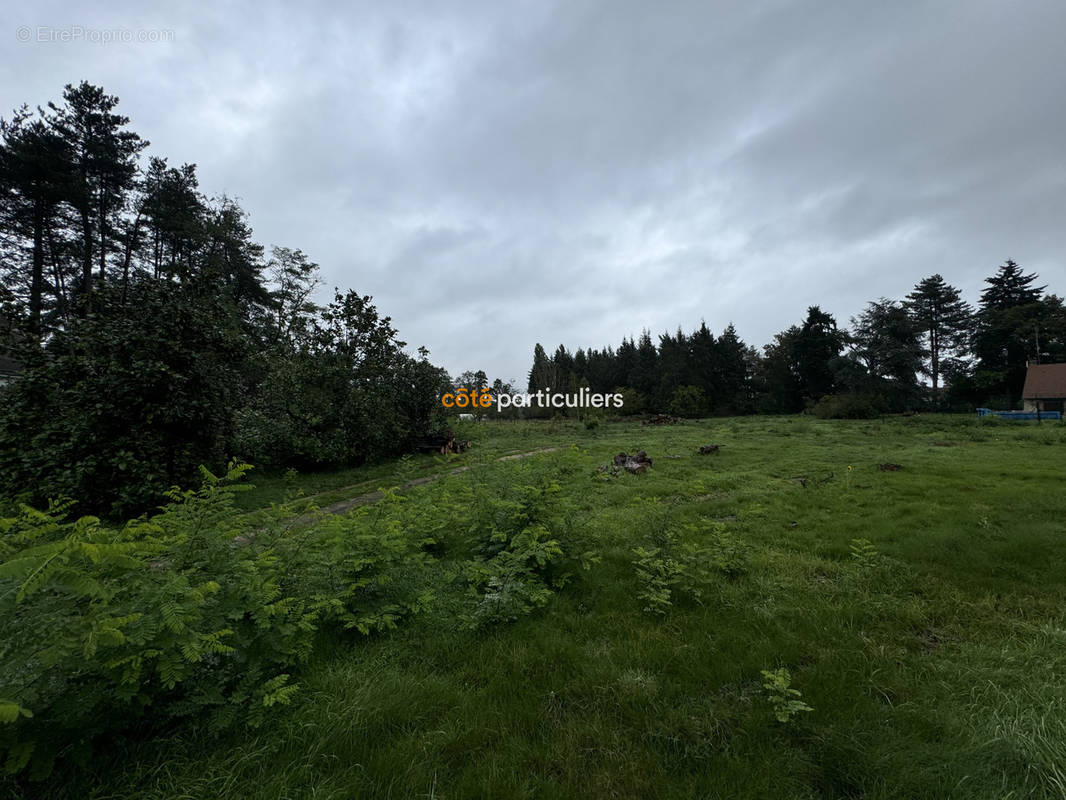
point(945, 321)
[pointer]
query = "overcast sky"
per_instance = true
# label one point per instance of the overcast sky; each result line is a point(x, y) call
point(504, 173)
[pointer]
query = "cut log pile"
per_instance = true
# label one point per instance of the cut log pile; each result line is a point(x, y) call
point(636, 463)
point(444, 444)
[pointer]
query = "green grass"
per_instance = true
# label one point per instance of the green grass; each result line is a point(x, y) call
point(494, 440)
point(934, 660)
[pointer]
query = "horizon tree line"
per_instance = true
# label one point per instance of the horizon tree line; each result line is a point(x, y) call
point(970, 356)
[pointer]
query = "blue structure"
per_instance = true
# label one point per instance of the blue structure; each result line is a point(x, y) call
point(1039, 415)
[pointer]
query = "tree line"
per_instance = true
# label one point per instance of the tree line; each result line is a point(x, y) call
point(928, 350)
point(157, 335)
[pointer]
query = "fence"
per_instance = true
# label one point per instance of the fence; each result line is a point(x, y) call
point(1037, 415)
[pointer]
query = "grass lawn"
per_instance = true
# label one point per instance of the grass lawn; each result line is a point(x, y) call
point(919, 613)
point(495, 440)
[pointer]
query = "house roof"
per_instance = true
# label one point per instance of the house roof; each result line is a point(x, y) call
point(1045, 381)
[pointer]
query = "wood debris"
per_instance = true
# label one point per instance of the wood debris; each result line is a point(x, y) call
point(635, 464)
point(444, 444)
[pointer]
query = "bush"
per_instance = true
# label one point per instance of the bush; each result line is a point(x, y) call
point(136, 394)
point(199, 612)
point(632, 402)
point(786, 702)
point(127, 402)
point(847, 406)
point(513, 582)
point(345, 394)
point(592, 418)
point(688, 401)
point(524, 539)
point(674, 564)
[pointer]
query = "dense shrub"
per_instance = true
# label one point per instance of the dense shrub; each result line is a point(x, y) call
point(632, 402)
point(155, 380)
point(847, 406)
point(524, 537)
point(342, 393)
point(314, 411)
point(688, 401)
point(198, 612)
point(125, 403)
point(682, 562)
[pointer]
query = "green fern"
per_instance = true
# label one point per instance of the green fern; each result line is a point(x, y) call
point(190, 613)
point(785, 700)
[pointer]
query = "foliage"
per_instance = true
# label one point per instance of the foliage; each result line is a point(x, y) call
point(863, 552)
point(525, 544)
point(338, 387)
point(958, 623)
point(780, 389)
point(676, 564)
point(685, 374)
point(884, 339)
point(513, 582)
point(1016, 324)
point(784, 700)
point(847, 406)
point(890, 343)
point(818, 343)
point(127, 401)
point(687, 401)
point(591, 418)
point(158, 338)
point(197, 612)
point(944, 319)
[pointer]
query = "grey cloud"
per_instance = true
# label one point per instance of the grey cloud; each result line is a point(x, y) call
point(502, 174)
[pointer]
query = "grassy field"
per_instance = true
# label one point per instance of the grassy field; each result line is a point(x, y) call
point(919, 614)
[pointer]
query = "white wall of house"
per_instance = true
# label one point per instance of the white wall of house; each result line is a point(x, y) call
point(1029, 404)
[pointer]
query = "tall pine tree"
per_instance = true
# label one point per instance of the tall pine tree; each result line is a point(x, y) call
point(1008, 319)
point(105, 158)
point(945, 321)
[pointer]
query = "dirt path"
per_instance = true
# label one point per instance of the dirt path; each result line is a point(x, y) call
point(342, 506)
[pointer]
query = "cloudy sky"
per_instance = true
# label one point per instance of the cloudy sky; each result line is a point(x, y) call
point(498, 174)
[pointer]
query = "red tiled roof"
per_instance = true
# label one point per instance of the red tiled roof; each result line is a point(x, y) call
point(1045, 381)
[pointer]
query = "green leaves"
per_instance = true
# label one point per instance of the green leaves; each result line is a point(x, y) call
point(524, 539)
point(200, 611)
point(863, 552)
point(10, 711)
point(784, 700)
point(683, 561)
point(513, 582)
point(278, 690)
point(337, 387)
point(127, 400)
